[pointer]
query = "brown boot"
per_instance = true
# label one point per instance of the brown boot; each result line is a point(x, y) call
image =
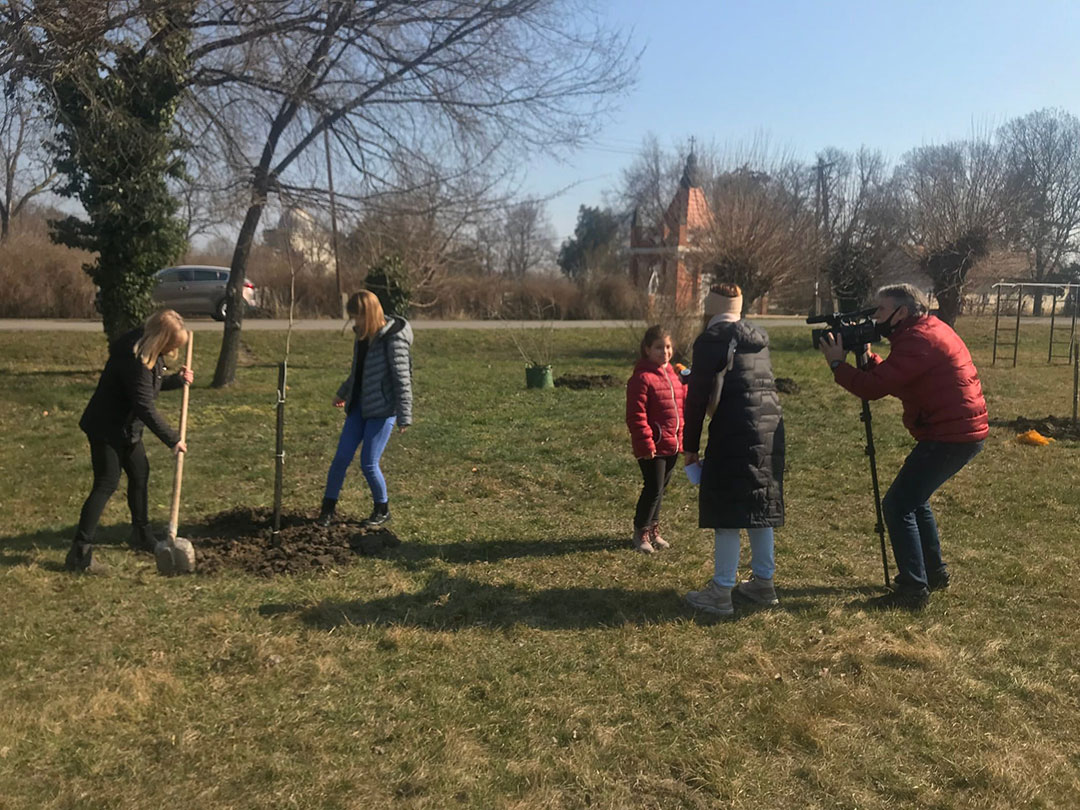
point(658, 542)
point(641, 541)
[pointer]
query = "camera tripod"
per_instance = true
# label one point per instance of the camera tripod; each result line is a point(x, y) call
point(866, 420)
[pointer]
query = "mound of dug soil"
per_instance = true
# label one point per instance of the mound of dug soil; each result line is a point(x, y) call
point(240, 539)
point(1053, 427)
point(584, 382)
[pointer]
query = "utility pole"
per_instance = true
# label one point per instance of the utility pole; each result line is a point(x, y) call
point(333, 221)
point(822, 291)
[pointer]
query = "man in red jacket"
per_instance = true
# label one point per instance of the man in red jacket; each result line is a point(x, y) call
point(930, 370)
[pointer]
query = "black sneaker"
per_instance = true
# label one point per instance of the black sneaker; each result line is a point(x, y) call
point(379, 515)
point(938, 580)
point(326, 512)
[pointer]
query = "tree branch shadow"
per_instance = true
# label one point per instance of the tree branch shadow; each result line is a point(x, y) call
point(459, 603)
point(116, 535)
point(414, 556)
point(69, 372)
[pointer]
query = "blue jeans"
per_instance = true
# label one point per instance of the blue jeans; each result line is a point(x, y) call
point(371, 435)
point(906, 507)
point(726, 555)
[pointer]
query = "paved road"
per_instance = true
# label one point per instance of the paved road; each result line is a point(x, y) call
point(329, 325)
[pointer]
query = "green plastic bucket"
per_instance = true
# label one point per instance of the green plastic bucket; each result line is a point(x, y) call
point(538, 377)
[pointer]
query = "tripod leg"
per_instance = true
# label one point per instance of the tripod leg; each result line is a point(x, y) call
point(872, 455)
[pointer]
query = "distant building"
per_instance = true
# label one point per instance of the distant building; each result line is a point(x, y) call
point(662, 259)
point(298, 233)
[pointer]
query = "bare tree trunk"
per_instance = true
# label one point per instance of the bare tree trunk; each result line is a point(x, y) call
point(949, 298)
point(225, 373)
point(1040, 273)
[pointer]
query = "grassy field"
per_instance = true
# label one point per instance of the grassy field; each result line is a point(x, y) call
point(513, 653)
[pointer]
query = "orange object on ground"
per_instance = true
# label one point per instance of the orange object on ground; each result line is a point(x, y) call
point(1033, 437)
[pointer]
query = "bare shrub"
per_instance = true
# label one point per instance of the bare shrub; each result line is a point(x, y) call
point(610, 296)
point(316, 289)
point(41, 279)
point(604, 296)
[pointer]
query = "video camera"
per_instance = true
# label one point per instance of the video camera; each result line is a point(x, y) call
point(853, 329)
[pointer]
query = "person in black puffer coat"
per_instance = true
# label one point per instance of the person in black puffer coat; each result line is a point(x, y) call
point(113, 422)
point(742, 477)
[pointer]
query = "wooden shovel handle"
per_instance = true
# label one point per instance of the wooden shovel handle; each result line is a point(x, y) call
point(174, 512)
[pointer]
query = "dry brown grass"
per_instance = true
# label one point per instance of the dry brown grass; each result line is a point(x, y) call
point(40, 279)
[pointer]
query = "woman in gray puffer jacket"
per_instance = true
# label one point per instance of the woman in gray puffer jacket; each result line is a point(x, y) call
point(376, 395)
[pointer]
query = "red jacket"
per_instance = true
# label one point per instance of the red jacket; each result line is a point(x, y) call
point(930, 369)
point(654, 409)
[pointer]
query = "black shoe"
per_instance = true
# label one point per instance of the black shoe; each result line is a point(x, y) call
point(379, 515)
point(142, 540)
point(900, 598)
point(80, 559)
point(938, 580)
point(326, 513)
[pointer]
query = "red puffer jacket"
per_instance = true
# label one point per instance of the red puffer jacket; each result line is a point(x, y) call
point(654, 409)
point(930, 370)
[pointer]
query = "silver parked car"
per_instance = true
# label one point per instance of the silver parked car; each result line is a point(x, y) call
point(195, 289)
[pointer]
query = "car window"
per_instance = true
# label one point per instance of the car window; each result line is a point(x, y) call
point(223, 275)
point(206, 275)
point(166, 276)
point(183, 275)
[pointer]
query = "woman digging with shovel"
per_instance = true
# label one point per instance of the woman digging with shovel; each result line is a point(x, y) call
point(113, 422)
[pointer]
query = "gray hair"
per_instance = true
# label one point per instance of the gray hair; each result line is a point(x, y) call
point(906, 295)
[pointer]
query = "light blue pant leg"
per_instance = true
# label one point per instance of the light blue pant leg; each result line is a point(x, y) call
point(377, 433)
point(352, 433)
point(726, 555)
point(762, 560)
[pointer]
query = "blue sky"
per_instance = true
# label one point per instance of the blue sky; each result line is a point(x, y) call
point(809, 74)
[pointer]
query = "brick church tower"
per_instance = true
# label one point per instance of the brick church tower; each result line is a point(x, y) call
point(662, 257)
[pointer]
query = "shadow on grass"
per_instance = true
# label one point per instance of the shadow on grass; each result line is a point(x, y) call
point(419, 555)
point(455, 603)
point(70, 372)
point(61, 538)
point(805, 599)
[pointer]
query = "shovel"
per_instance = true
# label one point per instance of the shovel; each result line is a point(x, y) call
point(176, 555)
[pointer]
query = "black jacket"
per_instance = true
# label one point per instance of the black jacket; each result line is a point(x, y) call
point(742, 477)
point(124, 399)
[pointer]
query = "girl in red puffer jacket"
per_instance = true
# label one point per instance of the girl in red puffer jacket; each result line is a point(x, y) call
point(654, 414)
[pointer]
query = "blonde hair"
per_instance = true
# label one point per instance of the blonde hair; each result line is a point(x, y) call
point(366, 302)
point(163, 332)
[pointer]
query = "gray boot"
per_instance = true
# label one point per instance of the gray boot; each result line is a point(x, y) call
point(757, 590)
point(712, 599)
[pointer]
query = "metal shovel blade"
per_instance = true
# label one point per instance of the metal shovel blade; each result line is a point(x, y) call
point(163, 554)
point(175, 556)
point(183, 554)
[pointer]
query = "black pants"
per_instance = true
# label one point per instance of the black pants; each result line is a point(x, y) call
point(108, 460)
point(656, 473)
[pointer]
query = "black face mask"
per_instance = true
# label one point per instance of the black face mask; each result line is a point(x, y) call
point(886, 327)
